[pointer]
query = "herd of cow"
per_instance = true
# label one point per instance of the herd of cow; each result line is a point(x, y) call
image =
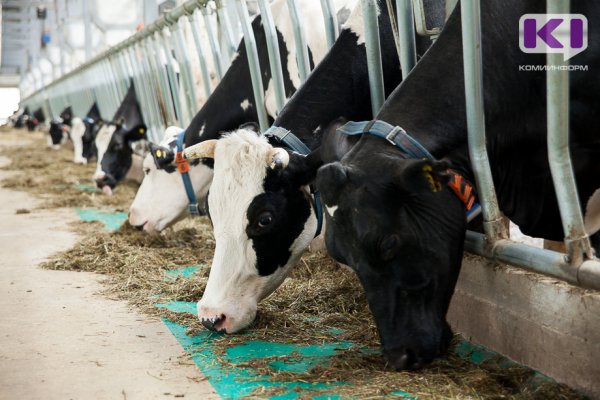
point(389, 196)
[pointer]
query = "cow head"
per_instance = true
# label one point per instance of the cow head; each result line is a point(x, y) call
point(161, 199)
point(263, 219)
point(116, 160)
point(92, 127)
point(395, 222)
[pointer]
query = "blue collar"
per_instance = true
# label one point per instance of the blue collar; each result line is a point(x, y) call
point(411, 148)
point(291, 141)
point(89, 120)
point(184, 167)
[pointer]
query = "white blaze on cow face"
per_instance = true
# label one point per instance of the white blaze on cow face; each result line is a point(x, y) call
point(242, 272)
point(77, 131)
point(102, 141)
point(161, 199)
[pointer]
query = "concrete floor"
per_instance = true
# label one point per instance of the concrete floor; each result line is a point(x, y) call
point(59, 339)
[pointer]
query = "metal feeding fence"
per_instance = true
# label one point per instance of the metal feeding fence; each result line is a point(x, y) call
point(147, 59)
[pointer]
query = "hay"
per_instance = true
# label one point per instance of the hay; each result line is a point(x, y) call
point(319, 302)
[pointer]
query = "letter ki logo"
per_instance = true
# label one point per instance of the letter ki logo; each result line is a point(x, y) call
point(553, 33)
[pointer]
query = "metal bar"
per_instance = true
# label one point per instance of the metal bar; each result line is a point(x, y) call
point(185, 69)
point(577, 243)
point(225, 25)
point(214, 45)
point(373, 48)
point(539, 260)
point(161, 92)
point(300, 40)
point(406, 33)
point(471, 37)
point(274, 55)
point(254, 65)
point(331, 22)
point(164, 81)
point(173, 81)
point(193, 19)
point(150, 112)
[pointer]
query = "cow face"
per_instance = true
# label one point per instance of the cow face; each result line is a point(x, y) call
point(401, 229)
point(116, 160)
point(89, 137)
point(56, 133)
point(263, 220)
point(161, 199)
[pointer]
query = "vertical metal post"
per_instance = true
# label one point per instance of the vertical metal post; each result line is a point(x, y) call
point(577, 242)
point(274, 55)
point(300, 40)
point(185, 68)
point(473, 70)
point(193, 19)
point(214, 45)
point(331, 22)
point(253, 63)
point(406, 33)
point(164, 81)
point(174, 84)
point(373, 48)
point(225, 26)
point(147, 95)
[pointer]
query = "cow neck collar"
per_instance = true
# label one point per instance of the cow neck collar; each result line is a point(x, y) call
point(292, 142)
point(411, 148)
point(184, 168)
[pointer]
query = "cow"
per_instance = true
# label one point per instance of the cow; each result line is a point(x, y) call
point(37, 118)
point(230, 106)
point(83, 133)
point(59, 128)
point(260, 204)
point(115, 141)
point(393, 213)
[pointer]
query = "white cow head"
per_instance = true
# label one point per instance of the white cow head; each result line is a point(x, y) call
point(263, 220)
point(161, 199)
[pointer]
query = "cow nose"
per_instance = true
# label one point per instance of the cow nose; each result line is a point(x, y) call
point(403, 359)
point(213, 323)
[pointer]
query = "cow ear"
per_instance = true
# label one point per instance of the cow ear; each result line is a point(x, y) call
point(252, 126)
point(137, 133)
point(331, 179)
point(163, 156)
point(302, 169)
point(422, 175)
point(119, 123)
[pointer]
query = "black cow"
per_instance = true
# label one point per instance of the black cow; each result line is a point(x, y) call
point(394, 219)
point(115, 139)
point(38, 118)
point(276, 212)
point(59, 127)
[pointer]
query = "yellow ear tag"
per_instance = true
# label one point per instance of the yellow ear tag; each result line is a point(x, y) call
point(158, 153)
point(141, 131)
point(433, 183)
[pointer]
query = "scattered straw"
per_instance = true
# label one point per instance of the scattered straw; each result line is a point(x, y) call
point(318, 303)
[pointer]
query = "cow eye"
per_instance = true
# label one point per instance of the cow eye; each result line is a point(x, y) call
point(265, 219)
point(147, 171)
point(388, 247)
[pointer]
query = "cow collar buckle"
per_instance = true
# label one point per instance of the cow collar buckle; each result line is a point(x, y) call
point(391, 137)
point(292, 142)
point(183, 167)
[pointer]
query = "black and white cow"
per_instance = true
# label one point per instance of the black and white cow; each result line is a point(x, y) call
point(395, 219)
point(115, 141)
point(36, 119)
point(262, 212)
point(230, 106)
point(83, 134)
point(59, 128)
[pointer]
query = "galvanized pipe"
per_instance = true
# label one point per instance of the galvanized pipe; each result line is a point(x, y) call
point(406, 33)
point(473, 70)
point(226, 28)
point(253, 64)
point(274, 55)
point(185, 69)
point(214, 45)
point(300, 40)
point(577, 243)
point(174, 85)
point(539, 260)
point(373, 49)
point(151, 112)
point(164, 79)
point(331, 22)
point(193, 19)
point(155, 70)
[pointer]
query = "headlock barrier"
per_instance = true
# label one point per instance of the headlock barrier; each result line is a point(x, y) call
point(176, 62)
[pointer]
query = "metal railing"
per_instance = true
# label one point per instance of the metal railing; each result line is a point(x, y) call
point(146, 58)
